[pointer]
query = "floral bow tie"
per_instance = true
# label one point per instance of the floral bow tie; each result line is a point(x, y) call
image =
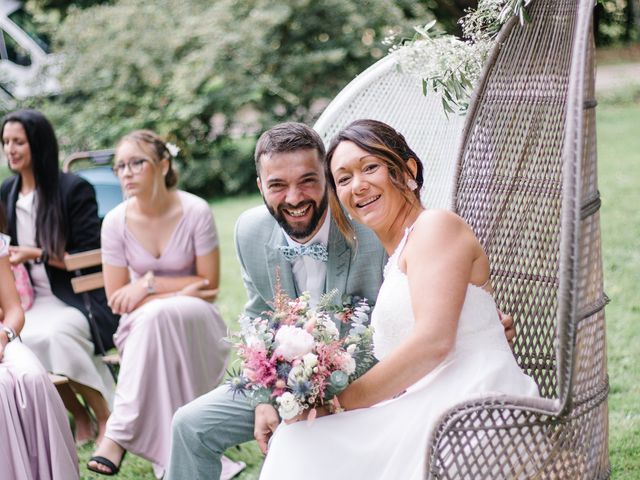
point(317, 251)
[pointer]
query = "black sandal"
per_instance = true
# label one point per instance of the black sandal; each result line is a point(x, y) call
point(106, 463)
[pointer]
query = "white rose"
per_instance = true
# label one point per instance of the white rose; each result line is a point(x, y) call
point(351, 349)
point(293, 342)
point(287, 406)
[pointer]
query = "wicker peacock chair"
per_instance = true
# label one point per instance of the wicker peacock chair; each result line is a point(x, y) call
point(526, 183)
point(525, 180)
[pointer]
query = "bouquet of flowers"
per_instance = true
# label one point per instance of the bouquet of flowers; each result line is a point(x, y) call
point(294, 356)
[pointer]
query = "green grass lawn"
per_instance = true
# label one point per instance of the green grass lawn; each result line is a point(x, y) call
point(619, 169)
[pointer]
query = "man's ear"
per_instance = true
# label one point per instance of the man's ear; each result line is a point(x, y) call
point(259, 183)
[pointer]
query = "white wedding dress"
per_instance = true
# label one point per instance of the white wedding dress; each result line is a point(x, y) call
point(388, 440)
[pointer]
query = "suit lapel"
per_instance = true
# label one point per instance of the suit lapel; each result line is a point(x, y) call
point(277, 263)
point(338, 263)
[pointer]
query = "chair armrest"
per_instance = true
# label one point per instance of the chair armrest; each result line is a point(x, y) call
point(76, 261)
point(504, 437)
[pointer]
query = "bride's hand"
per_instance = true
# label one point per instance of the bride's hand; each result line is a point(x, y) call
point(265, 423)
point(307, 415)
point(509, 326)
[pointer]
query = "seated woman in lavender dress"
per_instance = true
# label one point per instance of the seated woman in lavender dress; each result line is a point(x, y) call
point(161, 268)
point(35, 437)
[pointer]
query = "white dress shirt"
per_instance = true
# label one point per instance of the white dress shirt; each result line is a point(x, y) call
point(309, 274)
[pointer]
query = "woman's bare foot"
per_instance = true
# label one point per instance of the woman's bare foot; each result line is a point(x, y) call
point(85, 430)
point(102, 428)
point(109, 450)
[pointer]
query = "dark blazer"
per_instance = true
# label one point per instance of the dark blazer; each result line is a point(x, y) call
point(82, 230)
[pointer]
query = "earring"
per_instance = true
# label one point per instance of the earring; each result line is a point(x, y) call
point(412, 184)
point(350, 217)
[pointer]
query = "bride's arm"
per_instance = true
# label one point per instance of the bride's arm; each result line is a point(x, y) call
point(441, 257)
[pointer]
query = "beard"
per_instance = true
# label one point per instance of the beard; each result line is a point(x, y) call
point(299, 232)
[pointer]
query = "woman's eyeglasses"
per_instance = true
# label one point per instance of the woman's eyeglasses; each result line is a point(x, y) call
point(135, 166)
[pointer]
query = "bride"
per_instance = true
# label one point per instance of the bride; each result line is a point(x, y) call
point(437, 334)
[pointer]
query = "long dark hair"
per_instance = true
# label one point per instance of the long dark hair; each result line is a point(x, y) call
point(3, 219)
point(50, 222)
point(388, 145)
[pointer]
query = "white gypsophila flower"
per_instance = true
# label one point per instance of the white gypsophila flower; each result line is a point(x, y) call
point(247, 324)
point(331, 328)
point(173, 149)
point(293, 342)
point(288, 406)
point(348, 364)
point(255, 343)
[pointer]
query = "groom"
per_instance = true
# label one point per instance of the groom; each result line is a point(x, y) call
point(290, 166)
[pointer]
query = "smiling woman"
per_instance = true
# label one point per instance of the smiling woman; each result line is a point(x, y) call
point(50, 214)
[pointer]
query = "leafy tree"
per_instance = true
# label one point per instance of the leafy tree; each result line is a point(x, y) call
point(210, 76)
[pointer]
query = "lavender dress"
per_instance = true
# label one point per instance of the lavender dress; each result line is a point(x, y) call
point(171, 349)
point(35, 437)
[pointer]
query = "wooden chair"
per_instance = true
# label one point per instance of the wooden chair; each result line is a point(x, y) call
point(85, 282)
point(525, 180)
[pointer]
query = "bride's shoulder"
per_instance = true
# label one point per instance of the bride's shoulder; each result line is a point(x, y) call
point(439, 221)
point(438, 230)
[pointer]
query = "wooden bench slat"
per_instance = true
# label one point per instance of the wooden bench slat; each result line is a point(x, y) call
point(87, 282)
point(76, 261)
point(112, 359)
point(58, 379)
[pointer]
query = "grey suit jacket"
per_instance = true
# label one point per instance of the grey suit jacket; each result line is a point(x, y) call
point(257, 238)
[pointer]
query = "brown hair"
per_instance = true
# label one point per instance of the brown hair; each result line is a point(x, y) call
point(390, 146)
point(288, 137)
point(158, 148)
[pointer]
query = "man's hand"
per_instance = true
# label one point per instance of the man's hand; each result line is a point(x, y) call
point(266, 422)
point(509, 327)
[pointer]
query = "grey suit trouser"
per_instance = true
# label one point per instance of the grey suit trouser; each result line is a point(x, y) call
point(203, 429)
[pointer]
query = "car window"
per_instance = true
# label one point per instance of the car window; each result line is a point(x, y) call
point(14, 52)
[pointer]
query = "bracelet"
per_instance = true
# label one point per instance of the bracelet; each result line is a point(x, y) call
point(11, 333)
point(150, 282)
point(334, 405)
point(43, 258)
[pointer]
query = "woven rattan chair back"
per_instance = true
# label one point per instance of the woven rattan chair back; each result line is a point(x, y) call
point(383, 92)
point(526, 182)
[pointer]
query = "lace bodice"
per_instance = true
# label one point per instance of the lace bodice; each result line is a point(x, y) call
point(392, 318)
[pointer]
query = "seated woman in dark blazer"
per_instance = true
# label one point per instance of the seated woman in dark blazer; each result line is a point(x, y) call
point(51, 214)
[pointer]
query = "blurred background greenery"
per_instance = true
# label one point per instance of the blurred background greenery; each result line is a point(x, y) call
point(211, 75)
